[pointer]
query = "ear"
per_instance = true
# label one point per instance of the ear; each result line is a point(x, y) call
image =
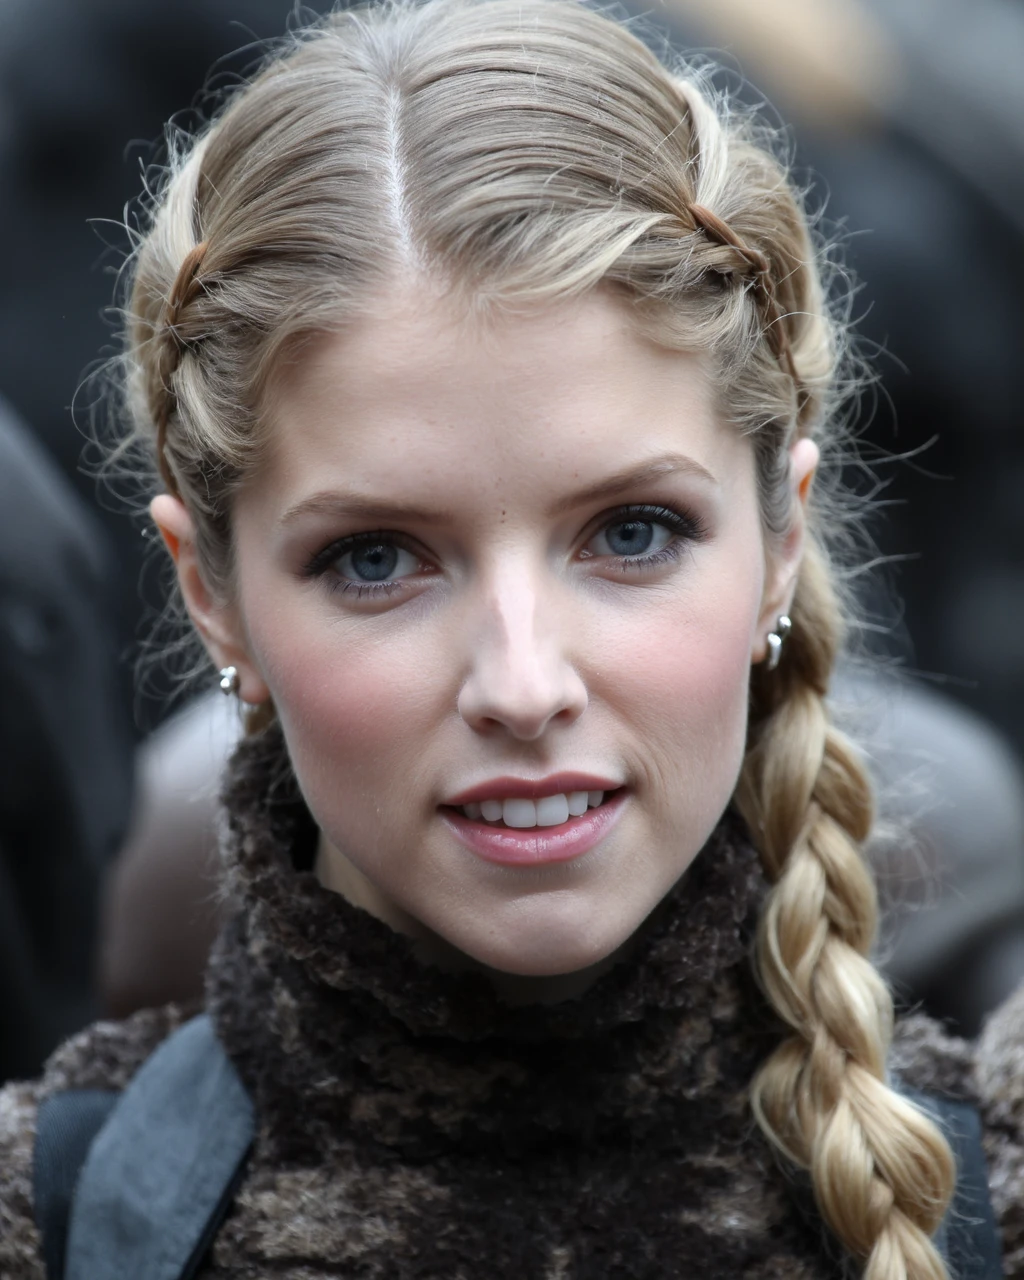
point(218, 622)
point(784, 558)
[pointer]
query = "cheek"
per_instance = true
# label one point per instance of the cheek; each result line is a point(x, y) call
point(355, 707)
point(691, 679)
point(686, 688)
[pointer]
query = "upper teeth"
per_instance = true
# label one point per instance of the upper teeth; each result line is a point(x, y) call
point(548, 811)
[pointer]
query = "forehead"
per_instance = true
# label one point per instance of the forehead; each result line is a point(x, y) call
point(423, 391)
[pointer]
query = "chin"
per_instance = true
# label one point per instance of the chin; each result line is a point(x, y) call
point(549, 948)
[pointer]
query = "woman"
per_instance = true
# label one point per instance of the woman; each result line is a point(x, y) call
point(487, 370)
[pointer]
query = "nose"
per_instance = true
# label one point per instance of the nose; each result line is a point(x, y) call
point(521, 680)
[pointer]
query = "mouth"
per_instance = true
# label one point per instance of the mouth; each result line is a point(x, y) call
point(520, 831)
point(522, 814)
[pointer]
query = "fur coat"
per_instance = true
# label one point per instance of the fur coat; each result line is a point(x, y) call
point(412, 1125)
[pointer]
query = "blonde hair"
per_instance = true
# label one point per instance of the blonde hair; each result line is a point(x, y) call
point(522, 152)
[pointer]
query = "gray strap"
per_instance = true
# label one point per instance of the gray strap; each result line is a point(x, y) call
point(66, 1124)
point(968, 1238)
point(973, 1237)
point(163, 1165)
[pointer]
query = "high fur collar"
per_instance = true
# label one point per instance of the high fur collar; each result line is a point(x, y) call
point(319, 1000)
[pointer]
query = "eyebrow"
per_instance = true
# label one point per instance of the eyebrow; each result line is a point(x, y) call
point(666, 464)
point(343, 503)
point(339, 502)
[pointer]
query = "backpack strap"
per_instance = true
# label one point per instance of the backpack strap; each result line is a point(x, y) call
point(968, 1239)
point(66, 1124)
point(160, 1174)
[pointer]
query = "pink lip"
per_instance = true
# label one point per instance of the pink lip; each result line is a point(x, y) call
point(536, 846)
point(533, 789)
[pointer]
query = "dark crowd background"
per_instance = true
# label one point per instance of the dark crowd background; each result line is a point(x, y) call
point(909, 116)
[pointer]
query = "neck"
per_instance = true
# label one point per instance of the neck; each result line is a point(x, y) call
point(337, 873)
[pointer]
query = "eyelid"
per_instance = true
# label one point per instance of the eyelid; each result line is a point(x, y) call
point(322, 560)
point(685, 524)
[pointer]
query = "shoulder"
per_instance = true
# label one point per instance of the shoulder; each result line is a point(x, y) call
point(926, 1057)
point(103, 1056)
point(107, 1054)
point(988, 1072)
point(19, 1239)
point(999, 1073)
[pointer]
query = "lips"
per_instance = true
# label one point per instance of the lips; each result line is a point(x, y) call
point(532, 788)
point(536, 846)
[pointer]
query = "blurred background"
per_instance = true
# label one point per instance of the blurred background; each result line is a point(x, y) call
point(908, 123)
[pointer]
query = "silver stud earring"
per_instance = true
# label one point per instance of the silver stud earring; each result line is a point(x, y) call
point(776, 639)
point(229, 680)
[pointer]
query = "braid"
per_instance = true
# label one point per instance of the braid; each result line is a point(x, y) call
point(883, 1174)
point(757, 265)
point(183, 290)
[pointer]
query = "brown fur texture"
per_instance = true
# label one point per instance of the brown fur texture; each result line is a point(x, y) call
point(412, 1125)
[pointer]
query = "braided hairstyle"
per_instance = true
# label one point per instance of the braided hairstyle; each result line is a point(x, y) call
point(523, 152)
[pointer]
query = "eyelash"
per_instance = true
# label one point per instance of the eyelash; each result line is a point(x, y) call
point(687, 528)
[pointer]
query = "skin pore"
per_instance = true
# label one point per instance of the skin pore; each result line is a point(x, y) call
point(492, 548)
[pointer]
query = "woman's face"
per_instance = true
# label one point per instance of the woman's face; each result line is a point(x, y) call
point(490, 566)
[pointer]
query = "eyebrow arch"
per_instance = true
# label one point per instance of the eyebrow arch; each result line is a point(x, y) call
point(656, 469)
point(342, 503)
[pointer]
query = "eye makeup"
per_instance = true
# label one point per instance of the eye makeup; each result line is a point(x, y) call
point(375, 556)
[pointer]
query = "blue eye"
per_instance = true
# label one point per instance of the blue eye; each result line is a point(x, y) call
point(365, 563)
point(376, 562)
point(643, 537)
point(633, 538)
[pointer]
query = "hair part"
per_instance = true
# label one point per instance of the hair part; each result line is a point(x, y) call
point(520, 153)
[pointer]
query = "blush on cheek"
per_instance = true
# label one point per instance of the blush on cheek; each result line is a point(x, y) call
point(715, 672)
point(340, 710)
point(696, 693)
point(700, 660)
point(346, 707)
point(687, 685)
